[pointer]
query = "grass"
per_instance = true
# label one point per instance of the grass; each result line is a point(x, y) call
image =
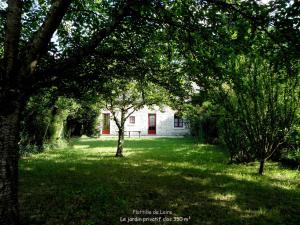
point(84, 184)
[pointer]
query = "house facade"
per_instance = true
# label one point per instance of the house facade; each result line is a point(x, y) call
point(147, 122)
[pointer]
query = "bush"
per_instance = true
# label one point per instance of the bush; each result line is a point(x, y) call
point(83, 122)
point(36, 122)
point(236, 141)
point(292, 159)
point(290, 156)
point(203, 122)
point(43, 122)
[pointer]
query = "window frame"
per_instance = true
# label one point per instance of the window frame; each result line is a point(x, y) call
point(132, 119)
point(178, 121)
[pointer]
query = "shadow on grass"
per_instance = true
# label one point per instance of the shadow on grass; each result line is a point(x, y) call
point(87, 187)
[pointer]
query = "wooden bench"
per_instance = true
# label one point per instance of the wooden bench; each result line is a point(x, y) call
point(131, 131)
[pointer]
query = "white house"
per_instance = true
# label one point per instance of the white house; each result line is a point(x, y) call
point(147, 121)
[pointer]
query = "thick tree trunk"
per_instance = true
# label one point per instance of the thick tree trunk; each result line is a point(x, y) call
point(119, 152)
point(9, 156)
point(261, 167)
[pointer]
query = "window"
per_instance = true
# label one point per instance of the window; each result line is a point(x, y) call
point(132, 119)
point(178, 121)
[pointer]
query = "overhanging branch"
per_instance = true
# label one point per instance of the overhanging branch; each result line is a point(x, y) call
point(89, 48)
point(39, 44)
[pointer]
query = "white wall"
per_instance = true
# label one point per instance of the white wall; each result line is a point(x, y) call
point(164, 123)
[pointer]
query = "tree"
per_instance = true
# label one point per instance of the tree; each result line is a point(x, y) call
point(127, 96)
point(267, 36)
point(30, 60)
point(260, 101)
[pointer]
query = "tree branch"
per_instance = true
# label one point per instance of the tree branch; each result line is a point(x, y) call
point(118, 123)
point(89, 48)
point(129, 114)
point(39, 44)
point(129, 107)
point(111, 109)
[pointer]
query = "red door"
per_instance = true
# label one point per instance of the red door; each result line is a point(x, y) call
point(151, 123)
point(106, 123)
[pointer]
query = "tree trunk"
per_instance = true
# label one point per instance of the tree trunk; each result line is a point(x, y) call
point(9, 156)
point(261, 167)
point(119, 152)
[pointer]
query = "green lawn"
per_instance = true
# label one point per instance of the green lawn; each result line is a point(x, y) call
point(85, 184)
